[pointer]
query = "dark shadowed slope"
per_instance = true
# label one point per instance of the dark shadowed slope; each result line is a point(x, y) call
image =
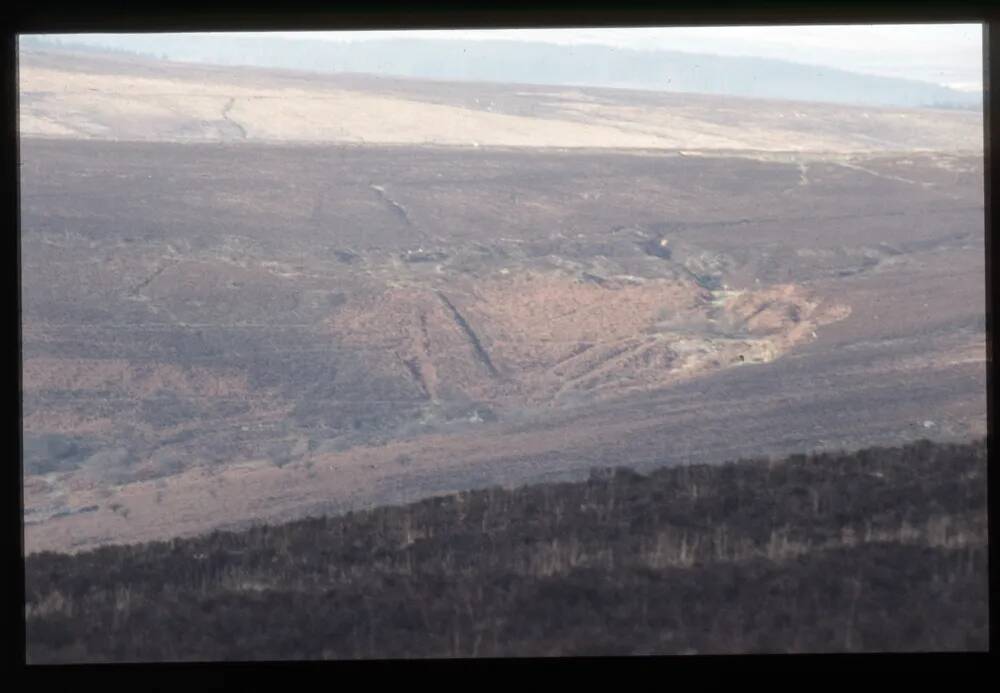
point(880, 550)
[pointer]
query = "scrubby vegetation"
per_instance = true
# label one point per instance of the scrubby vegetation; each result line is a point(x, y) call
point(877, 550)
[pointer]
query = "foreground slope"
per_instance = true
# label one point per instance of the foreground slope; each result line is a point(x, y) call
point(883, 550)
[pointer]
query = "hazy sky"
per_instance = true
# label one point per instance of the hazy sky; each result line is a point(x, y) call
point(948, 54)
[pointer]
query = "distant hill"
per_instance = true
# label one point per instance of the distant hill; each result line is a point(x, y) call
point(544, 63)
point(89, 94)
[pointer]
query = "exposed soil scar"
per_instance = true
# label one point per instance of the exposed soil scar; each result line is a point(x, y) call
point(477, 346)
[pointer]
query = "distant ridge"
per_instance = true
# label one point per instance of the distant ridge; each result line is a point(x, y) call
point(542, 63)
point(101, 94)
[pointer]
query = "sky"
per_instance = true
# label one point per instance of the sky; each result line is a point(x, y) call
point(946, 54)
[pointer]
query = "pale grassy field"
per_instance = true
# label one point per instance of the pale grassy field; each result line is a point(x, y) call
point(179, 102)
